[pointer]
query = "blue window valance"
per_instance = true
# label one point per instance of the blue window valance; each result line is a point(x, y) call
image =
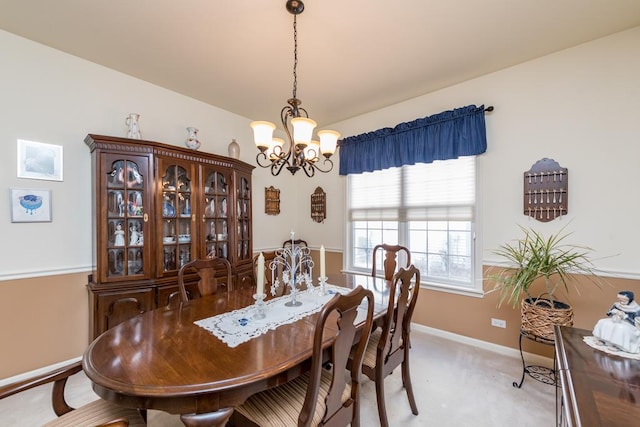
point(447, 135)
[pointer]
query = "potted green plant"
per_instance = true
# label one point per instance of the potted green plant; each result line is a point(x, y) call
point(534, 257)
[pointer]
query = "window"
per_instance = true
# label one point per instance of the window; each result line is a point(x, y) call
point(429, 208)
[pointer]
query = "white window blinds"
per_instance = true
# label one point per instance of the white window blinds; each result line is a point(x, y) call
point(443, 190)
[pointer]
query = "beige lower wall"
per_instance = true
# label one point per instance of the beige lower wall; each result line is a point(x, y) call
point(471, 317)
point(45, 320)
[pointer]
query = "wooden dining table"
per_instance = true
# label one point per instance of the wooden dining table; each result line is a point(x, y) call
point(162, 360)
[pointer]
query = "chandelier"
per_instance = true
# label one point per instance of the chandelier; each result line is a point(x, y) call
point(302, 151)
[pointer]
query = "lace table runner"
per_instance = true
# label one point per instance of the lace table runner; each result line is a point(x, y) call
point(238, 326)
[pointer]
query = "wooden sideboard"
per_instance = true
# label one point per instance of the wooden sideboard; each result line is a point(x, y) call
point(597, 389)
point(156, 207)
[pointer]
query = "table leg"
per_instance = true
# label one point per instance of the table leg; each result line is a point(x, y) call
point(218, 418)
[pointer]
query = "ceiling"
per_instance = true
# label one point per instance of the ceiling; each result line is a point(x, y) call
point(353, 56)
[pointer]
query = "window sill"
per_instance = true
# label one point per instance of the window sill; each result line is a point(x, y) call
point(476, 293)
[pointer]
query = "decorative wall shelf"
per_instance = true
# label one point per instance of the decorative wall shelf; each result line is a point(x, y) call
point(546, 190)
point(271, 201)
point(318, 205)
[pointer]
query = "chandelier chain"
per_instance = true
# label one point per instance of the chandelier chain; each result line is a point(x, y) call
point(302, 152)
point(295, 57)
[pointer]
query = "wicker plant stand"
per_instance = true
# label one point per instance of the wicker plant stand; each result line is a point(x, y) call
point(538, 317)
point(539, 373)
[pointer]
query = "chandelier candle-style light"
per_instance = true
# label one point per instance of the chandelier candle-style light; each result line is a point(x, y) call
point(302, 151)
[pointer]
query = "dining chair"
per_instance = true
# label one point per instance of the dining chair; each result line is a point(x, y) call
point(390, 259)
point(389, 345)
point(99, 413)
point(287, 244)
point(329, 393)
point(209, 278)
point(297, 242)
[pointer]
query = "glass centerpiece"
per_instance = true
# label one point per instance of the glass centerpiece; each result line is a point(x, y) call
point(296, 266)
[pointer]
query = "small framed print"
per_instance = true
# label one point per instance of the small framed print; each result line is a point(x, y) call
point(30, 205)
point(37, 160)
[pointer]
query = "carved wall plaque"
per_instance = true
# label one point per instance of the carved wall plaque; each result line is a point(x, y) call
point(271, 201)
point(546, 190)
point(318, 205)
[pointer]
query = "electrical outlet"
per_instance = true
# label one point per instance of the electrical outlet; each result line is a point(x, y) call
point(498, 323)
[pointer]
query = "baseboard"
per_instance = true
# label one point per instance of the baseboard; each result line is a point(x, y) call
point(531, 358)
point(35, 372)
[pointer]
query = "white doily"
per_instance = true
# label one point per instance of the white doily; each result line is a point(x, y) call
point(238, 326)
point(599, 345)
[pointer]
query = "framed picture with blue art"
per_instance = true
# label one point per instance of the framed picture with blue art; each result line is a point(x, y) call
point(37, 160)
point(30, 205)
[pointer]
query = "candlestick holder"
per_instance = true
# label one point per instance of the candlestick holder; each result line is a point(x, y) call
point(293, 302)
point(259, 310)
point(296, 265)
point(323, 286)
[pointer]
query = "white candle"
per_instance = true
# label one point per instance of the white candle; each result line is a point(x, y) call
point(322, 270)
point(260, 280)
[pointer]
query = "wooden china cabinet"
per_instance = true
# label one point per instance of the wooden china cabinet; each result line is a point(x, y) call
point(156, 207)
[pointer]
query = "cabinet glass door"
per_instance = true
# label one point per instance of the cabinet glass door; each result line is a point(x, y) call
point(243, 215)
point(217, 204)
point(127, 220)
point(176, 205)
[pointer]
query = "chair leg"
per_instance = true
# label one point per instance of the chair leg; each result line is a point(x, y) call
point(406, 381)
point(382, 410)
point(355, 422)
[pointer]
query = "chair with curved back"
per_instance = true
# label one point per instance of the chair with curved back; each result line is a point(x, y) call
point(389, 345)
point(321, 396)
point(99, 413)
point(209, 278)
point(390, 259)
point(287, 244)
point(297, 242)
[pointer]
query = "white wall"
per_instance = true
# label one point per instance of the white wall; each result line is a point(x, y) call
point(52, 97)
point(329, 233)
point(581, 107)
